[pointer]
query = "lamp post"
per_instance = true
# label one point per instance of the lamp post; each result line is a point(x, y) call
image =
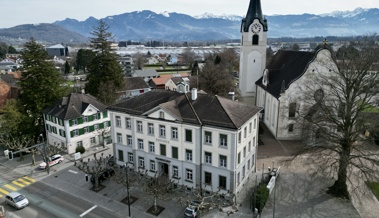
point(127, 186)
point(45, 154)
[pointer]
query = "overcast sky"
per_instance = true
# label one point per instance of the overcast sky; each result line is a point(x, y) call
point(16, 12)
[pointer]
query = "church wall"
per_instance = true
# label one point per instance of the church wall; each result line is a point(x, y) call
point(271, 113)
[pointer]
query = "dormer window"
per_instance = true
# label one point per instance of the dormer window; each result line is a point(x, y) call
point(161, 115)
point(265, 77)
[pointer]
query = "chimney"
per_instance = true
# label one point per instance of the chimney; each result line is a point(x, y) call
point(193, 94)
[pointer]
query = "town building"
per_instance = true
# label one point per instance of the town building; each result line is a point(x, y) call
point(196, 138)
point(77, 120)
point(133, 86)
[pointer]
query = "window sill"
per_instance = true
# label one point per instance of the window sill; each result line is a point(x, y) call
point(188, 181)
point(223, 147)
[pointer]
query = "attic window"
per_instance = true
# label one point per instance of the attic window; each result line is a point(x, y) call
point(89, 110)
point(161, 114)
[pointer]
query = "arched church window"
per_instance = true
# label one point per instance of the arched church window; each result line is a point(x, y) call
point(255, 39)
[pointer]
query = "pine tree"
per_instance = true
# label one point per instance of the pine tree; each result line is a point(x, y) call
point(104, 69)
point(40, 85)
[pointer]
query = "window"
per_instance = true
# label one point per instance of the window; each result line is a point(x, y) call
point(239, 137)
point(85, 129)
point(130, 157)
point(208, 178)
point(96, 126)
point(244, 151)
point(292, 110)
point(174, 151)
point(152, 147)
point(249, 147)
point(129, 140)
point(85, 119)
point(255, 123)
point(222, 182)
point(93, 140)
point(141, 162)
point(208, 157)
point(139, 126)
point(244, 132)
point(74, 122)
point(243, 172)
point(175, 172)
point(120, 156)
point(152, 165)
point(248, 165)
point(163, 149)
point(140, 144)
point(250, 127)
point(223, 140)
point(238, 178)
point(189, 175)
point(119, 138)
point(95, 117)
point(188, 155)
point(188, 135)
point(222, 161)
point(208, 137)
point(128, 123)
point(252, 160)
point(162, 131)
point(174, 133)
point(239, 158)
point(118, 121)
point(253, 141)
point(79, 143)
point(161, 115)
point(150, 129)
point(290, 128)
point(255, 39)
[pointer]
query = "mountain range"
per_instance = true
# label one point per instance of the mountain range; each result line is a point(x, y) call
point(147, 25)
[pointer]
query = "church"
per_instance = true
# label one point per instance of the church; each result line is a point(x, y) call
point(280, 86)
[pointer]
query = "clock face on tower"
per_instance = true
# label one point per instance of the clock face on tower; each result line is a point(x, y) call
point(256, 28)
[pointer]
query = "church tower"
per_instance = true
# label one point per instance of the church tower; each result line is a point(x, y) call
point(253, 48)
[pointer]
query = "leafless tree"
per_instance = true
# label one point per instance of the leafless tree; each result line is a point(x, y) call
point(188, 56)
point(19, 143)
point(335, 114)
point(139, 60)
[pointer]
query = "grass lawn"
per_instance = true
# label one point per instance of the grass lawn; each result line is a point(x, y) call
point(374, 186)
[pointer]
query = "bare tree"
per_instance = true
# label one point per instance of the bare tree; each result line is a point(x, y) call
point(334, 117)
point(188, 56)
point(19, 143)
point(139, 60)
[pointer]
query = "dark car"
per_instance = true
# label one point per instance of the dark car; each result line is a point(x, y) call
point(103, 175)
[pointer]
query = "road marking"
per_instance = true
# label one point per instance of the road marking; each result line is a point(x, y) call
point(10, 187)
point(87, 211)
point(71, 171)
point(4, 191)
point(24, 181)
point(30, 179)
point(18, 184)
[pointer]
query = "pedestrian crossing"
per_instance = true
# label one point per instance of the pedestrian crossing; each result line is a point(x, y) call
point(16, 185)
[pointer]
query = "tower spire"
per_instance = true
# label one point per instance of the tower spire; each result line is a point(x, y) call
point(254, 12)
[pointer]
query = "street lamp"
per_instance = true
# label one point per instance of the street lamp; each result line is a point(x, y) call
point(45, 154)
point(127, 186)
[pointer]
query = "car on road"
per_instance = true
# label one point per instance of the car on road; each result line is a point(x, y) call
point(103, 175)
point(53, 160)
point(16, 200)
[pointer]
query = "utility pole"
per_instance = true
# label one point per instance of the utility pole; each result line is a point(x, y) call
point(45, 154)
point(127, 186)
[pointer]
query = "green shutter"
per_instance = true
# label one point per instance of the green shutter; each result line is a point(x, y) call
point(72, 133)
point(81, 131)
point(80, 120)
point(70, 121)
point(91, 128)
point(64, 133)
point(109, 123)
point(90, 118)
point(101, 125)
point(105, 114)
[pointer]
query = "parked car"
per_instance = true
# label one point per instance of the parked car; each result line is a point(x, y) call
point(190, 211)
point(103, 175)
point(16, 200)
point(55, 159)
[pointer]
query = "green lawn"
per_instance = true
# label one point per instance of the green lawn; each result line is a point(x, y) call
point(374, 186)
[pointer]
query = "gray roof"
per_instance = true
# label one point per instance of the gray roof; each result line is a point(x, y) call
point(145, 73)
point(57, 46)
point(73, 106)
point(206, 109)
point(132, 83)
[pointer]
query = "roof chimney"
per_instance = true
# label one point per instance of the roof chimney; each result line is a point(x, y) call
point(193, 94)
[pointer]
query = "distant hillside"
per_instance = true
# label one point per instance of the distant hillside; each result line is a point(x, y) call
point(49, 33)
point(147, 25)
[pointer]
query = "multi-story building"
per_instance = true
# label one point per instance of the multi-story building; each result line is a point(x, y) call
point(77, 120)
point(194, 137)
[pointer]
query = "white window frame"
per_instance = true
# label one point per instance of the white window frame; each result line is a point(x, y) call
point(141, 162)
point(118, 121)
point(152, 147)
point(189, 175)
point(140, 144)
point(128, 123)
point(188, 155)
point(174, 133)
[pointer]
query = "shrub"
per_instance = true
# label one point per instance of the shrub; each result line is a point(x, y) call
point(80, 149)
point(260, 197)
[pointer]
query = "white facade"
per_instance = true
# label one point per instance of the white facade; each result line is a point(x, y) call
point(195, 154)
point(88, 130)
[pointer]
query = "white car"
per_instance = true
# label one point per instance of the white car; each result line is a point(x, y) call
point(55, 159)
point(16, 200)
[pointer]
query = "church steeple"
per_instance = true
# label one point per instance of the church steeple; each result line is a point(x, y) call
point(254, 12)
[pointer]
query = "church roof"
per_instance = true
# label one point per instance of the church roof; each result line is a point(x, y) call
point(206, 109)
point(254, 12)
point(285, 66)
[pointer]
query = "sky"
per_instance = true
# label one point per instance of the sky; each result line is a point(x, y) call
point(17, 12)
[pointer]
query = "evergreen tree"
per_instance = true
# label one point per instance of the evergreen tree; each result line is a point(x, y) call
point(83, 59)
point(39, 84)
point(104, 67)
point(67, 68)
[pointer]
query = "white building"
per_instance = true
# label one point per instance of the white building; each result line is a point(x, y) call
point(77, 120)
point(253, 48)
point(195, 137)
